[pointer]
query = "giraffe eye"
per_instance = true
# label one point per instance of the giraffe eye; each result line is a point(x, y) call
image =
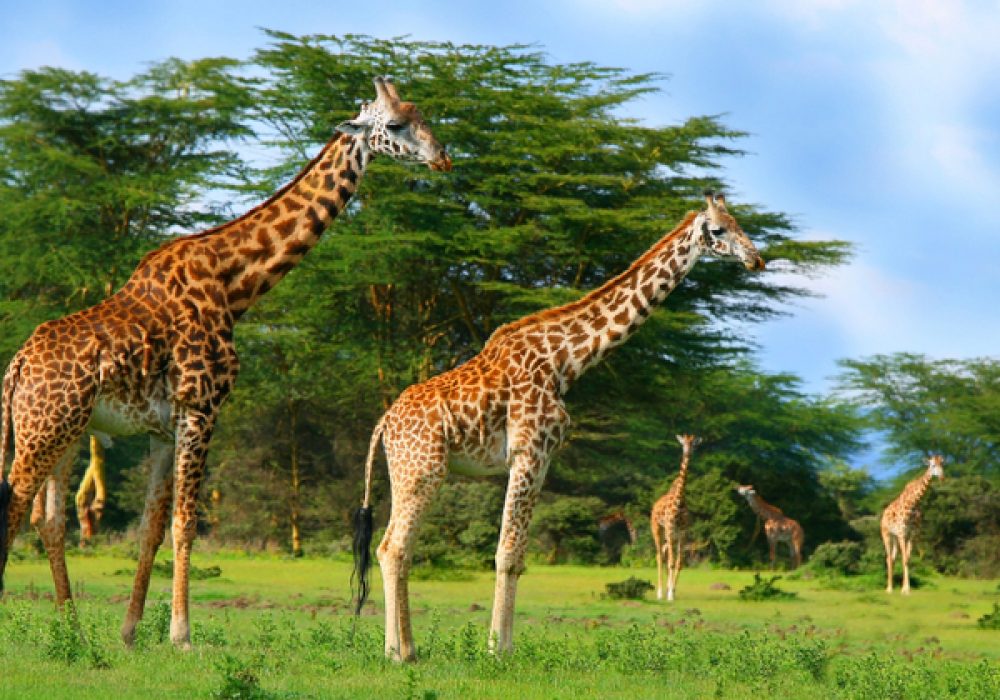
point(395, 126)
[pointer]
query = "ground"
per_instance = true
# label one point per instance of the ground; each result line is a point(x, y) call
point(275, 627)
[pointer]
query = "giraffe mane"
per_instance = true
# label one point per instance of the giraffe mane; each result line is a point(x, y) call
point(259, 207)
point(548, 314)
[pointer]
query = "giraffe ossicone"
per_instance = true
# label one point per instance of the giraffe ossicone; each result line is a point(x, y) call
point(901, 519)
point(502, 412)
point(158, 355)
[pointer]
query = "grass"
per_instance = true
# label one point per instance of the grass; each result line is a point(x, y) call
point(269, 627)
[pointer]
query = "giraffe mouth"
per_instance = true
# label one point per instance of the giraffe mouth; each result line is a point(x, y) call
point(756, 263)
point(442, 164)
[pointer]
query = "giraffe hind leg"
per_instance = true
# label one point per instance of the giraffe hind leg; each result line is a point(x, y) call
point(49, 519)
point(414, 483)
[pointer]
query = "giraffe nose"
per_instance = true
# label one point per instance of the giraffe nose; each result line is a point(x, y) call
point(442, 162)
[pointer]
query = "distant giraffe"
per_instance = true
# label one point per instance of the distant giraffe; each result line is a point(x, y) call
point(92, 493)
point(778, 527)
point(158, 356)
point(669, 522)
point(901, 518)
point(502, 413)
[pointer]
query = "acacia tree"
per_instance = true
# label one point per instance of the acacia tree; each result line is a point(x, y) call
point(93, 174)
point(553, 191)
point(925, 407)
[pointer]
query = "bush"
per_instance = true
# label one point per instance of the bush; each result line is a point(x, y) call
point(568, 529)
point(991, 620)
point(837, 558)
point(631, 588)
point(762, 589)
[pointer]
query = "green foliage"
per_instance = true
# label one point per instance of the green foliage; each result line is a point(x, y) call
point(462, 526)
point(240, 680)
point(836, 558)
point(926, 407)
point(764, 589)
point(990, 620)
point(631, 588)
point(567, 528)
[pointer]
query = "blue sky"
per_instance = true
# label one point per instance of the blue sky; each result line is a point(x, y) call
point(872, 122)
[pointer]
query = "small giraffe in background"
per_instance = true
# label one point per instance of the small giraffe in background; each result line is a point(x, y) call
point(158, 356)
point(93, 491)
point(901, 518)
point(502, 413)
point(778, 527)
point(669, 521)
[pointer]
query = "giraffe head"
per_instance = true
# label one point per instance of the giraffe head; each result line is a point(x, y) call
point(688, 442)
point(722, 236)
point(935, 466)
point(396, 129)
point(745, 490)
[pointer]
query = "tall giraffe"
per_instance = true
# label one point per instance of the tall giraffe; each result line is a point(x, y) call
point(901, 518)
point(502, 412)
point(669, 522)
point(158, 355)
point(778, 527)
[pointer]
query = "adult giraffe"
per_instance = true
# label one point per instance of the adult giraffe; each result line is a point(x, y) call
point(158, 355)
point(502, 412)
point(901, 518)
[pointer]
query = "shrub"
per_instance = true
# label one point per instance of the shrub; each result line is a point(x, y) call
point(991, 620)
point(631, 588)
point(837, 558)
point(764, 589)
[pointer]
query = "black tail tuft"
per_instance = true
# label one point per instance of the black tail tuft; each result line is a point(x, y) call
point(4, 524)
point(362, 555)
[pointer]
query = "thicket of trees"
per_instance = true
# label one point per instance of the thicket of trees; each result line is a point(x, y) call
point(553, 191)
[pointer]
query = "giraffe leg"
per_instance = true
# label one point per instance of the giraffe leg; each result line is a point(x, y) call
point(194, 432)
point(413, 487)
point(154, 525)
point(678, 562)
point(49, 518)
point(905, 547)
point(669, 546)
point(888, 544)
point(658, 546)
point(772, 547)
point(524, 484)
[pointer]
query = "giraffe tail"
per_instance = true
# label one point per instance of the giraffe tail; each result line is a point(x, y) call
point(9, 383)
point(364, 528)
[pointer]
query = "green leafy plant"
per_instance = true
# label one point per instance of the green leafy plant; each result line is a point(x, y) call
point(764, 589)
point(631, 588)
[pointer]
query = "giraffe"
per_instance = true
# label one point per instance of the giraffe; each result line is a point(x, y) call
point(92, 493)
point(669, 521)
point(778, 527)
point(901, 518)
point(158, 355)
point(502, 413)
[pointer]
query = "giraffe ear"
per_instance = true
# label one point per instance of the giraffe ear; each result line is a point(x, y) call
point(710, 199)
point(680, 438)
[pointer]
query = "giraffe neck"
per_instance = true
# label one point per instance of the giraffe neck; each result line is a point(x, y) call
point(681, 480)
point(761, 507)
point(608, 316)
point(915, 490)
point(257, 250)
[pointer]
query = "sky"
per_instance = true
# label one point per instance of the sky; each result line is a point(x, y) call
point(874, 122)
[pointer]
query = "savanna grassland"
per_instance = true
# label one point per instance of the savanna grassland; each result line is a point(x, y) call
point(268, 627)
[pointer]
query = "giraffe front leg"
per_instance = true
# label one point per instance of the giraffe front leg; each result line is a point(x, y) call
point(156, 511)
point(659, 561)
point(525, 483)
point(49, 518)
point(905, 548)
point(194, 432)
point(889, 556)
point(675, 571)
point(669, 546)
point(772, 547)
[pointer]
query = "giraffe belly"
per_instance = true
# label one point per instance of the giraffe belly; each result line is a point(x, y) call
point(119, 419)
point(481, 460)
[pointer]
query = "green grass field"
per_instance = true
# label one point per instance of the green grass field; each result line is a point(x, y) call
point(279, 628)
